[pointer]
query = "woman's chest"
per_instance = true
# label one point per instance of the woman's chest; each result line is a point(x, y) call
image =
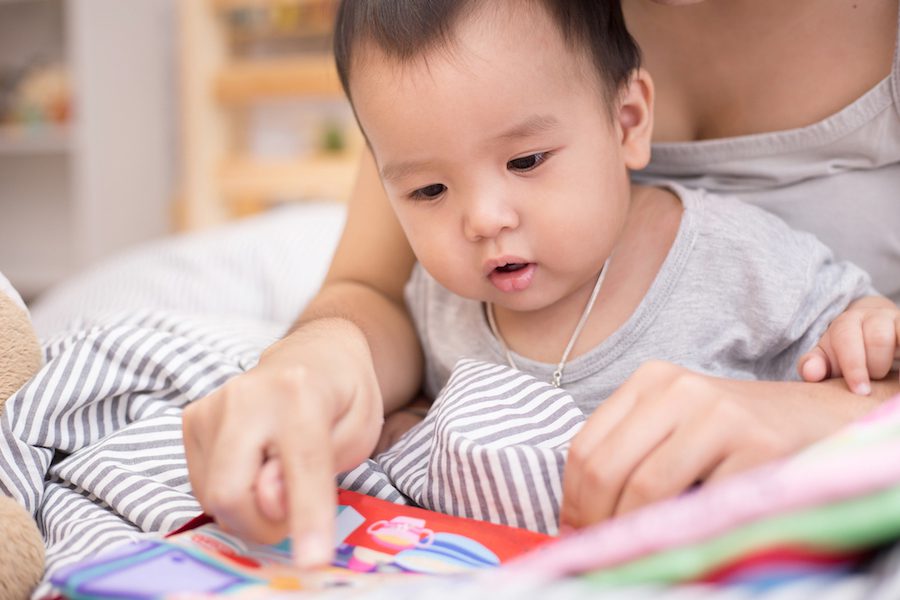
point(725, 69)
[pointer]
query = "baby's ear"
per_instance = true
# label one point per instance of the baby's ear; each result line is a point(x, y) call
point(634, 119)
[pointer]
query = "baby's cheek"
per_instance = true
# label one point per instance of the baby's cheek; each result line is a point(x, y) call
point(455, 272)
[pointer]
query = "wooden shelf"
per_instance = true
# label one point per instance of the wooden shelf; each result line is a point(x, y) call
point(308, 31)
point(238, 4)
point(2, 2)
point(22, 140)
point(289, 19)
point(246, 81)
point(236, 67)
point(247, 181)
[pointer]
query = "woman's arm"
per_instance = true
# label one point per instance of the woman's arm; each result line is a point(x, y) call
point(365, 286)
point(263, 449)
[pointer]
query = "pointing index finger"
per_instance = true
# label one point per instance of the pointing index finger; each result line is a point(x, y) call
point(308, 470)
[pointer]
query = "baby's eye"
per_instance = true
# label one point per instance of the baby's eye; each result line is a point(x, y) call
point(527, 163)
point(429, 192)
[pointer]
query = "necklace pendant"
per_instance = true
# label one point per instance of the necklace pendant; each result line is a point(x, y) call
point(557, 378)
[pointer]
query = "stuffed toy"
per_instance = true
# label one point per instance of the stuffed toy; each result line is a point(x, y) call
point(22, 547)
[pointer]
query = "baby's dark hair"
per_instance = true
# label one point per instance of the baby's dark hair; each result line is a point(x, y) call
point(405, 29)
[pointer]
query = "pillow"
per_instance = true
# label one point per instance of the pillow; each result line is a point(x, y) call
point(264, 268)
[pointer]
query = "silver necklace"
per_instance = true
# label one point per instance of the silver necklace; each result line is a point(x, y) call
point(557, 374)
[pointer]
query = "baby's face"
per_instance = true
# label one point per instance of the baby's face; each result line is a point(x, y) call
point(499, 157)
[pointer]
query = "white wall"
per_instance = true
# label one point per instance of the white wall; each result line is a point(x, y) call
point(111, 184)
point(124, 67)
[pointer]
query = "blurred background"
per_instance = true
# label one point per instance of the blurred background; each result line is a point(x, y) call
point(123, 121)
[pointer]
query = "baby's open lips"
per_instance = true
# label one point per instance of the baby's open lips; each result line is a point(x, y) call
point(511, 267)
point(512, 276)
point(509, 263)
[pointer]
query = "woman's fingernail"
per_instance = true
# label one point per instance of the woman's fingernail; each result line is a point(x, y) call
point(863, 389)
point(313, 550)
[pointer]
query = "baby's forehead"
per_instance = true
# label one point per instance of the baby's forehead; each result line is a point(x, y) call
point(488, 74)
point(488, 34)
point(585, 41)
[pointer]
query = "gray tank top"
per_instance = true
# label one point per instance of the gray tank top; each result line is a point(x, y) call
point(838, 179)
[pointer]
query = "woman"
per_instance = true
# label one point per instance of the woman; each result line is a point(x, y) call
point(749, 102)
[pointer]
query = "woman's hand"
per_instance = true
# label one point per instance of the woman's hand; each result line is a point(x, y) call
point(262, 451)
point(668, 428)
point(861, 344)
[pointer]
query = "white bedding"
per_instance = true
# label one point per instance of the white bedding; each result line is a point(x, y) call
point(263, 268)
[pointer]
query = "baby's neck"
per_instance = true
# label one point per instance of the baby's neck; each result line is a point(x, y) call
point(647, 236)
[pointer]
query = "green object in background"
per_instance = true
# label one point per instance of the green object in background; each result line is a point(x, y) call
point(333, 140)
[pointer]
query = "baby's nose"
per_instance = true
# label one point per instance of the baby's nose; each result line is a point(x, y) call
point(486, 217)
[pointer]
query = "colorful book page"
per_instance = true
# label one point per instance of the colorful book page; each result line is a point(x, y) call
point(375, 541)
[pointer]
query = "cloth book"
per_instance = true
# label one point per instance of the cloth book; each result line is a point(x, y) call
point(375, 542)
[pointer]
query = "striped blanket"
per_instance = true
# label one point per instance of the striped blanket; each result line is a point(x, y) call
point(92, 445)
point(492, 448)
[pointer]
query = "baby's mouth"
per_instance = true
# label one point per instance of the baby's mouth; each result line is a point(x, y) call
point(511, 267)
point(513, 277)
